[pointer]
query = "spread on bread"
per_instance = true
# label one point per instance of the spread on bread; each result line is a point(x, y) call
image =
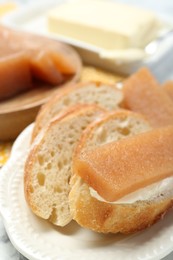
point(119, 168)
point(123, 215)
point(155, 191)
point(113, 127)
point(25, 58)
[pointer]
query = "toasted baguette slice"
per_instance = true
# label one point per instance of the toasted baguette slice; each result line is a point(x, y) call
point(48, 166)
point(102, 216)
point(107, 96)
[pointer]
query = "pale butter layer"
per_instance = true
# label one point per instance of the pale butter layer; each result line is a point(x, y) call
point(159, 190)
point(104, 24)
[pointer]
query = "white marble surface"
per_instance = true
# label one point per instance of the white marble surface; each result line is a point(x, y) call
point(7, 251)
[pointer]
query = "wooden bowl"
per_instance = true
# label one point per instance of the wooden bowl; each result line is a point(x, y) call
point(18, 112)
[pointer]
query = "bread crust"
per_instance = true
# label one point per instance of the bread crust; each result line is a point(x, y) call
point(119, 113)
point(32, 157)
point(46, 111)
point(113, 218)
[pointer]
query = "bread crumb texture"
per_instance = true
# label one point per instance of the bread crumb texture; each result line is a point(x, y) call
point(48, 167)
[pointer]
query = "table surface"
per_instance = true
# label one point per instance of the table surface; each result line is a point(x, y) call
point(7, 251)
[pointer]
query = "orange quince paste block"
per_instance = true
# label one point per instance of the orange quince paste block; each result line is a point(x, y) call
point(119, 168)
point(144, 95)
point(15, 75)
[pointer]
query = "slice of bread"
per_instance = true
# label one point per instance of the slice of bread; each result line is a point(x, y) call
point(102, 216)
point(48, 166)
point(107, 96)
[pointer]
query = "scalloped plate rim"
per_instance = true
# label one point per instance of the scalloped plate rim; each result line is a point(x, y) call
point(151, 250)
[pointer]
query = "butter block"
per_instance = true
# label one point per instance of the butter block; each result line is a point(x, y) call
point(104, 24)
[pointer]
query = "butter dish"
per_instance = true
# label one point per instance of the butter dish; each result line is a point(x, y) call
point(104, 24)
point(34, 18)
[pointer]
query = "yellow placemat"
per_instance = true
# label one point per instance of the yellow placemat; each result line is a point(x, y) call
point(88, 74)
point(5, 149)
point(94, 74)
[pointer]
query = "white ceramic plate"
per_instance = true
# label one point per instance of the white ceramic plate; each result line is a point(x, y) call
point(32, 17)
point(38, 239)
